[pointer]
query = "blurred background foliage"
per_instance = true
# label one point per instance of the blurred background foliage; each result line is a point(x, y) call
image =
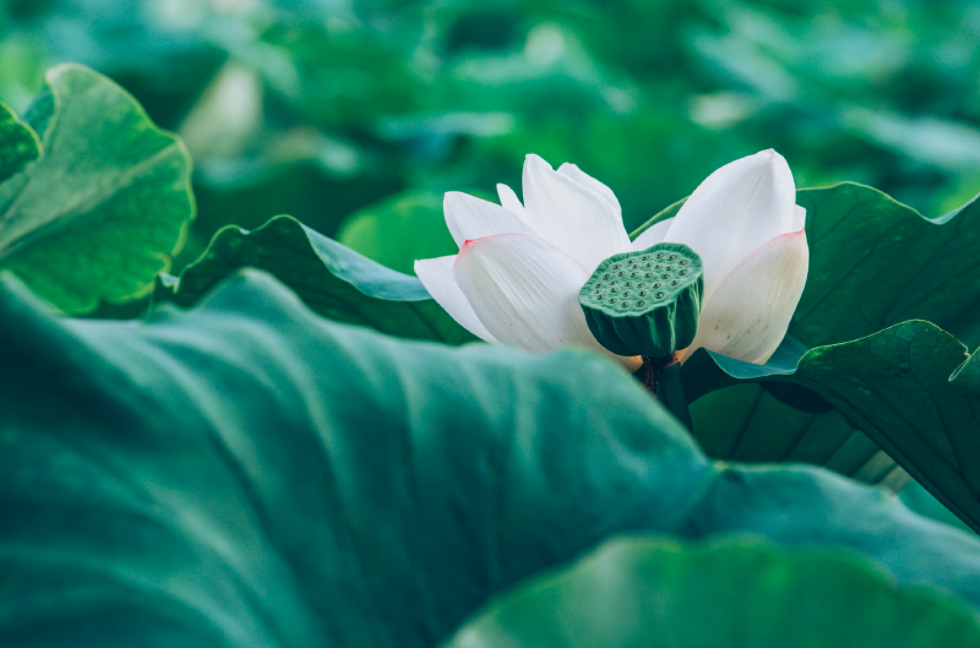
point(328, 109)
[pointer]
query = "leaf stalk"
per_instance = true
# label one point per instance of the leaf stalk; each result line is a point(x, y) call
point(662, 377)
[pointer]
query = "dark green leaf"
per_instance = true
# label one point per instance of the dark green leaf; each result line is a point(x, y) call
point(875, 262)
point(747, 422)
point(912, 388)
point(644, 592)
point(248, 474)
point(332, 279)
point(97, 216)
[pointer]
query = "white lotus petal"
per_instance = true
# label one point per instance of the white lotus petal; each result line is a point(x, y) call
point(469, 217)
point(437, 277)
point(587, 181)
point(748, 315)
point(509, 199)
point(652, 235)
point(573, 217)
point(525, 290)
point(734, 211)
point(799, 218)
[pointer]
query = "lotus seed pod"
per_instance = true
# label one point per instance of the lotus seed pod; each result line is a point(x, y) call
point(645, 303)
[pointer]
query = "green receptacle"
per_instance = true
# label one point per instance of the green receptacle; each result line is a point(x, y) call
point(645, 303)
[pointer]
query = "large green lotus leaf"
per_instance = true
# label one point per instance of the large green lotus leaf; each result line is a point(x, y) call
point(875, 262)
point(912, 388)
point(400, 230)
point(639, 592)
point(332, 279)
point(98, 215)
point(249, 474)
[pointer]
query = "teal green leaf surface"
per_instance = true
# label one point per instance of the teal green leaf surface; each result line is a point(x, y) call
point(98, 215)
point(332, 279)
point(248, 474)
point(924, 503)
point(911, 388)
point(736, 594)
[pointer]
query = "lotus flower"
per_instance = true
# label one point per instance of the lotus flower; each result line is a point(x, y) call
point(520, 267)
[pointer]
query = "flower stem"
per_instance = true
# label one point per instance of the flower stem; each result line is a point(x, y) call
point(662, 376)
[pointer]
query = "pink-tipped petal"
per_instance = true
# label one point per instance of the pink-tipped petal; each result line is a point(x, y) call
point(735, 210)
point(437, 277)
point(748, 315)
point(469, 217)
point(573, 217)
point(587, 181)
point(509, 200)
point(525, 290)
point(652, 235)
